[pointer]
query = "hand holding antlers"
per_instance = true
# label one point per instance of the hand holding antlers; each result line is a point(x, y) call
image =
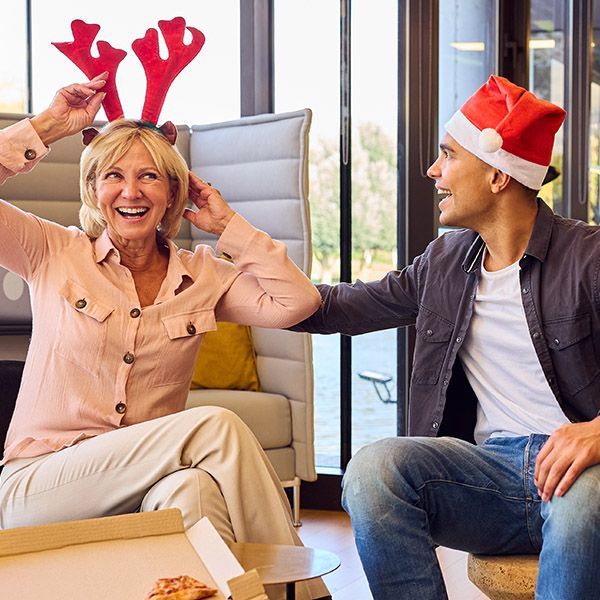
point(73, 108)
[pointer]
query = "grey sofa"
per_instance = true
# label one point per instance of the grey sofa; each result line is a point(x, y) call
point(260, 165)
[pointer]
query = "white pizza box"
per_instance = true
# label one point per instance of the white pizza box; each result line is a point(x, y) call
point(117, 557)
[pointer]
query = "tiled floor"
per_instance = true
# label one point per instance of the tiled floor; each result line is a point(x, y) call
point(332, 531)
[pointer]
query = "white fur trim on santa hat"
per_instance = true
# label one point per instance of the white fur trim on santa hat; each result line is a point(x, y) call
point(468, 136)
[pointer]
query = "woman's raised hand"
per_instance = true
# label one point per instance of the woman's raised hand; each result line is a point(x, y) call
point(213, 212)
point(73, 108)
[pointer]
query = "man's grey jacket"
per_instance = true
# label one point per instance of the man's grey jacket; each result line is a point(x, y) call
point(560, 289)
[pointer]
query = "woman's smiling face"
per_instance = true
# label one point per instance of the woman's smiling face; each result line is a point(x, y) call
point(133, 196)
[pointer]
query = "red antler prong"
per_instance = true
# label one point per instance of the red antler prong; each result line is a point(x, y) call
point(79, 52)
point(160, 73)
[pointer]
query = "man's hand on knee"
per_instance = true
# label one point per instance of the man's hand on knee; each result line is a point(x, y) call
point(569, 451)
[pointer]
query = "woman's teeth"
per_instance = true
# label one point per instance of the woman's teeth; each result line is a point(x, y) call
point(132, 212)
point(441, 191)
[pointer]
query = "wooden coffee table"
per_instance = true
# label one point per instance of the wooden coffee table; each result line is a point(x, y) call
point(277, 563)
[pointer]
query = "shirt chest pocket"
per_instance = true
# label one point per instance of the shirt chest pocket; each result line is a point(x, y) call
point(572, 351)
point(181, 335)
point(433, 336)
point(82, 327)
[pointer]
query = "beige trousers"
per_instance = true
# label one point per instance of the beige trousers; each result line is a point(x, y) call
point(204, 461)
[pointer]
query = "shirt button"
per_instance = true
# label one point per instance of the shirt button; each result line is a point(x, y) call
point(445, 382)
point(429, 332)
point(557, 341)
point(30, 154)
point(191, 329)
point(525, 290)
point(120, 408)
point(435, 424)
point(81, 303)
point(134, 313)
point(536, 335)
point(458, 340)
point(129, 358)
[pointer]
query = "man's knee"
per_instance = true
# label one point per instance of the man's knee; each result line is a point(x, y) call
point(577, 513)
point(373, 473)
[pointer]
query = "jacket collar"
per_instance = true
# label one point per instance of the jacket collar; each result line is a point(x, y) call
point(537, 246)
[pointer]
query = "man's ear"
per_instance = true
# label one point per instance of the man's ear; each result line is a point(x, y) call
point(499, 181)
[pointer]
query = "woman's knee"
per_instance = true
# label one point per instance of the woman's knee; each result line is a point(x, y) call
point(218, 414)
point(196, 494)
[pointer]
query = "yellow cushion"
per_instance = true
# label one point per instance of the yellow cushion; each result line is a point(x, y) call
point(227, 360)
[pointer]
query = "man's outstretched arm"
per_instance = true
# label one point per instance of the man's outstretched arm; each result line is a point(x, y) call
point(362, 307)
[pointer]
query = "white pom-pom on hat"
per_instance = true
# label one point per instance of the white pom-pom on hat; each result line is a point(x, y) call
point(490, 140)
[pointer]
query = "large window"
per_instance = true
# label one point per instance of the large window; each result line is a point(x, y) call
point(208, 90)
point(307, 74)
point(374, 132)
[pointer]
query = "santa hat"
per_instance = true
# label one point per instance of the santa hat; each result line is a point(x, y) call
point(509, 128)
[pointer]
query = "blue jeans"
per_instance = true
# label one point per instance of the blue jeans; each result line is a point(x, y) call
point(407, 495)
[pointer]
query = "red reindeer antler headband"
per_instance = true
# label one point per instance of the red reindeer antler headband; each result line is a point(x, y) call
point(160, 73)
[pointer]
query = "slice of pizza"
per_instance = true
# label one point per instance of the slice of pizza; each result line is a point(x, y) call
point(180, 588)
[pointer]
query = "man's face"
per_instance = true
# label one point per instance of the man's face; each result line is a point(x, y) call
point(463, 181)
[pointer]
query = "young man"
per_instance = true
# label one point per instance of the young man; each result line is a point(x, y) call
point(507, 313)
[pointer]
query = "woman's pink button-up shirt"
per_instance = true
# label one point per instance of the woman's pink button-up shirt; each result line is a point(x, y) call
point(98, 360)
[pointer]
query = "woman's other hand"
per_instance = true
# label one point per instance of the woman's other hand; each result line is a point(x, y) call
point(73, 108)
point(213, 212)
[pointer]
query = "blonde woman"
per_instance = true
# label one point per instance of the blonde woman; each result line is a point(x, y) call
point(119, 314)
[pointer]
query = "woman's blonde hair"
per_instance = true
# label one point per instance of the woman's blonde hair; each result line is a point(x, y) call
point(113, 141)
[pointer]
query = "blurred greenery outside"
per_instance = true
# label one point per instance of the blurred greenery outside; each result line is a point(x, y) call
point(373, 205)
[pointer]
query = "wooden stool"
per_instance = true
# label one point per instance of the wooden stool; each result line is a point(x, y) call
point(504, 577)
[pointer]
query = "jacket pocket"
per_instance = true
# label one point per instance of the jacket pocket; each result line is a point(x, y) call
point(433, 336)
point(82, 327)
point(572, 351)
point(180, 339)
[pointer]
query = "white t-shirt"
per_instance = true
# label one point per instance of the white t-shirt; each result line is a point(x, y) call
point(501, 364)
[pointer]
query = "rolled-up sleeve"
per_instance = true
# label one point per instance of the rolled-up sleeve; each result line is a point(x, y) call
point(20, 149)
point(22, 238)
point(270, 290)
